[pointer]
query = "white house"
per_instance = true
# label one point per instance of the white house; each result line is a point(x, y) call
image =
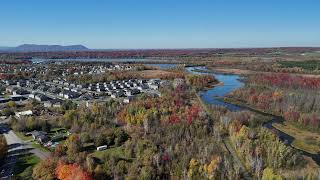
point(23, 113)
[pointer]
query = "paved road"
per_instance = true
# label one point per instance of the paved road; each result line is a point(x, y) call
point(16, 147)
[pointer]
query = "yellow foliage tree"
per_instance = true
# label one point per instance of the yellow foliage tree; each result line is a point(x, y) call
point(268, 174)
point(193, 166)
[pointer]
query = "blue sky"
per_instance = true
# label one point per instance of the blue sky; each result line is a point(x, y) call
point(129, 24)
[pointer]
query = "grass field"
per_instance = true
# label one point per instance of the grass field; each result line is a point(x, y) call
point(22, 136)
point(155, 73)
point(307, 65)
point(113, 151)
point(315, 53)
point(55, 131)
point(25, 161)
point(304, 140)
point(40, 147)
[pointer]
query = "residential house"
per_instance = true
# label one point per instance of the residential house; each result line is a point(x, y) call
point(17, 98)
point(24, 113)
point(117, 94)
point(40, 136)
point(128, 99)
point(142, 87)
point(20, 92)
point(11, 82)
point(41, 97)
point(69, 94)
point(154, 86)
point(10, 89)
point(21, 83)
point(132, 92)
point(56, 103)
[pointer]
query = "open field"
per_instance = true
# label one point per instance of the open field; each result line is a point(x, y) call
point(25, 161)
point(156, 73)
point(112, 151)
point(40, 147)
point(304, 140)
point(307, 65)
point(232, 71)
point(247, 72)
point(314, 53)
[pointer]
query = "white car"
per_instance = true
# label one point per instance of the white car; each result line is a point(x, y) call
point(101, 148)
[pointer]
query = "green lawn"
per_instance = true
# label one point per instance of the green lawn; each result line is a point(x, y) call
point(57, 131)
point(304, 139)
point(25, 161)
point(113, 151)
point(315, 53)
point(22, 136)
point(39, 146)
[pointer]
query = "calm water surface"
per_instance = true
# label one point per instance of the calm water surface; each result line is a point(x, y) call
point(162, 66)
point(211, 96)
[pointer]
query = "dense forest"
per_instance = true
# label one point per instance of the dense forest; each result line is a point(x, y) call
point(296, 98)
point(293, 99)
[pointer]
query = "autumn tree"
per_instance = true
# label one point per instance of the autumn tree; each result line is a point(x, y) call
point(11, 104)
point(74, 146)
point(45, 169)
point(268, 174)
point(71, 171)
point(3, 147)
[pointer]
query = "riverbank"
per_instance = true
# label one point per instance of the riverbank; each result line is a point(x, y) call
point(216, 97)
point(303, 140)
point(242, 72)
point(212, 86)
point(244, 105)
point(231, 71)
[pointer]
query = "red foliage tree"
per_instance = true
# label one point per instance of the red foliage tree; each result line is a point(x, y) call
point(173, 119)
point(192, 113)
point(292, 115)
point(315, 121)
point(286, 81)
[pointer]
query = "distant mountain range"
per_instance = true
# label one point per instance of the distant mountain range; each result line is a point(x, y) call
point(43, 48)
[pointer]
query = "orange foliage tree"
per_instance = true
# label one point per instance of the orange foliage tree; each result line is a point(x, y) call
point(71, 172)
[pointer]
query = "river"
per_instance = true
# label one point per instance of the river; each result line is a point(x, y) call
point(232, 82)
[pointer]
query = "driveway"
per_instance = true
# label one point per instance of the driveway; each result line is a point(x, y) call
point(16, 147)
